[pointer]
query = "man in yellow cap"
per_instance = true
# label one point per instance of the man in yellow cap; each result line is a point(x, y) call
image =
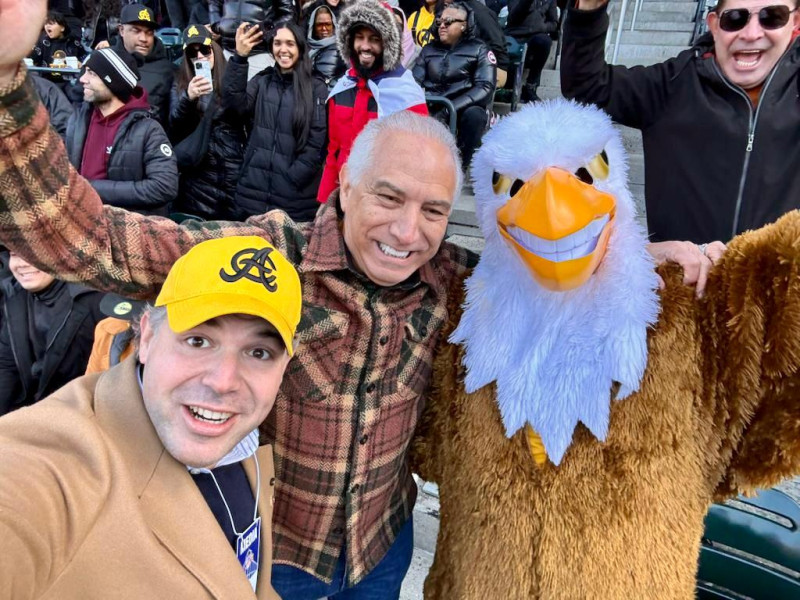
point(148, 481)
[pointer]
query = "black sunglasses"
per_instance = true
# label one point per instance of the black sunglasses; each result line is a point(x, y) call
point(448, 22)
point(769, 17)
point(193, 51)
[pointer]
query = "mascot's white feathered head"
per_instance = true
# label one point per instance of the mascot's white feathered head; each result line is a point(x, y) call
point(558, 307)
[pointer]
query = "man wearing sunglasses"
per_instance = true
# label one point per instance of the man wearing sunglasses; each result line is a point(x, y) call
point(719, 121)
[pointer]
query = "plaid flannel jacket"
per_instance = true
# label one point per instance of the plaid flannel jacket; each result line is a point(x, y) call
point(351, 396)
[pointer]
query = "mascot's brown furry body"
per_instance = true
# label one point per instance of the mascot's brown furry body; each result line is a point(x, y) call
point(717, 411)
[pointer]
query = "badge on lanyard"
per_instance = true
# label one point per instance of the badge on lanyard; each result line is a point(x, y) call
point(248, 545)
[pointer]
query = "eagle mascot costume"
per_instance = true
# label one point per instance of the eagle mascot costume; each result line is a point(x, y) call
point(582, 419)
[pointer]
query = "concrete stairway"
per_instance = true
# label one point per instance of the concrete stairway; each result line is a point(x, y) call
point(663, 29)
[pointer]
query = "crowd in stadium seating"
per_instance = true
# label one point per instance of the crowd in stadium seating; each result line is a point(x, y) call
point(254, 106)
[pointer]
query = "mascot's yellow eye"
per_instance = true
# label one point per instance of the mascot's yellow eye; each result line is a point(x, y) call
point(502, 184)
point(598, 166)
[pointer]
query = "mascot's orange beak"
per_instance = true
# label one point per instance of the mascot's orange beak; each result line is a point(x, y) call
point(559, 226)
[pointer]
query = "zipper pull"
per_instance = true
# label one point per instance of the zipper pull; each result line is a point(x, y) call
point(750, 138)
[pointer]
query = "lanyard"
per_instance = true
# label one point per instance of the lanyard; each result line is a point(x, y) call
point(225, 502)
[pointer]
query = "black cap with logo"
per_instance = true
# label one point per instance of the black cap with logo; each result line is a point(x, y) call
point(137, 14)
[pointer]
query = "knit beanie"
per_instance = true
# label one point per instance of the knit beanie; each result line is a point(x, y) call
point(117, 69)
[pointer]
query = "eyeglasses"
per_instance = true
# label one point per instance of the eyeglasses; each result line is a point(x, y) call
point(193, 51)
point(448, 22)
point(769, 17)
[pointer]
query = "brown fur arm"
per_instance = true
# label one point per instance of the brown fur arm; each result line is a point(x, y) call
point(438, 421)
point(755, 319)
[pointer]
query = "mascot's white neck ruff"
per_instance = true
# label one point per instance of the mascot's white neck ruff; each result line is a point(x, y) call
point(555, 355)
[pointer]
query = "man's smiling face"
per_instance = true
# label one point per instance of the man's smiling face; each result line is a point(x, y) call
point(396, 216)
point(747, 56)
point(367, 48)
point(208, 387)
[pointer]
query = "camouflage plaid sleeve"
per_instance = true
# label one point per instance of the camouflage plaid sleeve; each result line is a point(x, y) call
point(53, 217)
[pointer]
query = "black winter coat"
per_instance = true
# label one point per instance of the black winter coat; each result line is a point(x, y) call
point(328, 65)
point(305, 17)
point(529, 17)
point(208, 190)
point(157, 74)
point(226, 15)
point(488, 30)
point(142, 172)
point(57, 104)
point(464, 73)
point(42, 54)
point(68, 346)
point(275, 174)
point(714, 166)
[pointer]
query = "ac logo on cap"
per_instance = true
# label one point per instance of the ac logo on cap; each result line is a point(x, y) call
point(144, 14)
point(193, 31)
point(246, 261)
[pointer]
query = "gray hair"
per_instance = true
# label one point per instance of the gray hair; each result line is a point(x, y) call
point(157, 316)
point(457, 6)
point(365, 146)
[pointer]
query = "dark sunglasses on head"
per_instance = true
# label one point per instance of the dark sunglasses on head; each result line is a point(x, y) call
point(769, 17)
point(193, 51)
point(448, 22)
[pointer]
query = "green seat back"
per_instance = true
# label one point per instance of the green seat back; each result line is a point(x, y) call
point(180, 217)
point(756, 535)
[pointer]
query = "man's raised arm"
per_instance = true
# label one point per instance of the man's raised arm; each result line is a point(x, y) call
point(49, 214)
point(631, 96)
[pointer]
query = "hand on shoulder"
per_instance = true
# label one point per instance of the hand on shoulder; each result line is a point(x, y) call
point(695, 260)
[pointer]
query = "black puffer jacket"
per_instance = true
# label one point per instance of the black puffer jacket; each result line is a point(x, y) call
point(328, 65)
point(529, 17)
point(157, 74)
point(142, 173)
point(488, 30)
point(307, 12)
point(464, 73)
point(275, 174)
point(208, 190)
point(69, 341)
point(226, 15)
point(57, 104)
point(42, 54)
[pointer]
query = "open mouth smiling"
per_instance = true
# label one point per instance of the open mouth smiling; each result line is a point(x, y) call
point(209, 416)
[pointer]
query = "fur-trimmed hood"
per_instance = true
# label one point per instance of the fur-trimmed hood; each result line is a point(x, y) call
point(378, 17)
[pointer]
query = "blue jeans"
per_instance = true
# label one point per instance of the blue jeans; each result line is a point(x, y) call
point(382, 583)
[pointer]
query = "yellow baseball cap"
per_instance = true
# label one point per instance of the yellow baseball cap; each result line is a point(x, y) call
point(233, 275)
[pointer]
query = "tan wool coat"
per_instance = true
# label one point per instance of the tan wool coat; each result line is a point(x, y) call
point(93, 508)
point(718, 412)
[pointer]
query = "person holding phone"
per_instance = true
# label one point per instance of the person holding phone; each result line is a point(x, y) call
point(285, 104)
point(209, 139)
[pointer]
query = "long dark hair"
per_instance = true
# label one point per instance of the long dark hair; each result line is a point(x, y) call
point(186, 71)
point(303, 84)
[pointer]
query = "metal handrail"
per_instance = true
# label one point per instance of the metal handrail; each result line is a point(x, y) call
point(620, 22)
point(636, 8)
point(700, 19)
point(55, 70)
